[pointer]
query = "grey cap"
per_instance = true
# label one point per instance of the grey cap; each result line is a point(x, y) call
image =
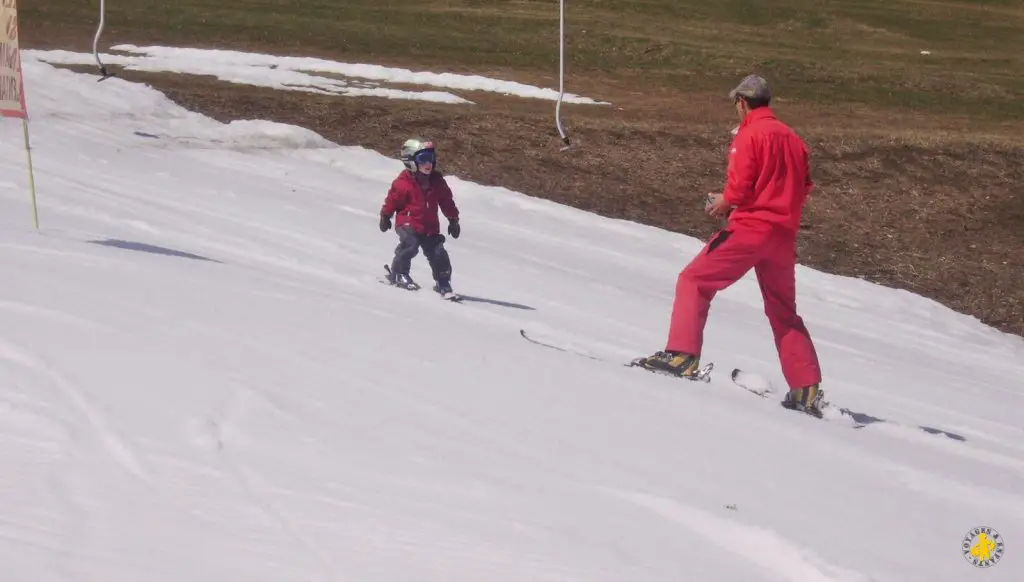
point(752, 87)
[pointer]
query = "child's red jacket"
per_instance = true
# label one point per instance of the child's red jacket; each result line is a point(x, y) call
point(417, 207)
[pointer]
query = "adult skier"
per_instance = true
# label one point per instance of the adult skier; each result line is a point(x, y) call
point(767, 184)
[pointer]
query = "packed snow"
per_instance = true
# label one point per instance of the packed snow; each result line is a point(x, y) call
point(300, 73)
point(204, 380)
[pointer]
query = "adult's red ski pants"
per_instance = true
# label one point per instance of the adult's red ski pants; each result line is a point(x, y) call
point(728, 256)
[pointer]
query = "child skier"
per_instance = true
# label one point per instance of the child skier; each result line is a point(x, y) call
point(416, 195)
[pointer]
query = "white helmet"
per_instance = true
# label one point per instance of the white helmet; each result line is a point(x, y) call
point(413, 146)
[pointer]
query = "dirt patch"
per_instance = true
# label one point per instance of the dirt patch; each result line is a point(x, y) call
point(936, 217)
point(917, 157)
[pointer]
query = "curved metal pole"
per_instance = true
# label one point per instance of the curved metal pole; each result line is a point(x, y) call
point(96, 40)
point(561, 71)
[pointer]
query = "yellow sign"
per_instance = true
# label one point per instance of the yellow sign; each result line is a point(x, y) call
point(982, 547)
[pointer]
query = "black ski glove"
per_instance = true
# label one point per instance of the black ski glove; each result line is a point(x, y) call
point(453, 228)
point(385, 223)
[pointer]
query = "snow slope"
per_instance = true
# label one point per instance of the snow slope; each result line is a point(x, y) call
point(203, 380)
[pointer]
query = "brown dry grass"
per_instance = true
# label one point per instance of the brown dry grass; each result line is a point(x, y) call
point(917, 189)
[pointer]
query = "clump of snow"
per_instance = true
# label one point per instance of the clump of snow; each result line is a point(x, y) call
point(303, 73)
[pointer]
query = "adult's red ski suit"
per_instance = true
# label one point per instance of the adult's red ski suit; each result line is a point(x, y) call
point(768, 181)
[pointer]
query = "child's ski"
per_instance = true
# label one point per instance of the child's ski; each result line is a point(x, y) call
point(387, 281)
point(449, 296)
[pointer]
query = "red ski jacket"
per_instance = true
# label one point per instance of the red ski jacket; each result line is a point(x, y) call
point(768, 178)
point(417, 207)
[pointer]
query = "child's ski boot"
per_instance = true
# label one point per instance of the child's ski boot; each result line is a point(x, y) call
point(444, 289)
point(402, 280)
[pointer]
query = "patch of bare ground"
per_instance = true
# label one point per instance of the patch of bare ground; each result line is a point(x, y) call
point(914, 209)
point(917, 158)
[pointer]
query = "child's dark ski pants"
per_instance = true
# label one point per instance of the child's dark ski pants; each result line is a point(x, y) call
point(409, 244)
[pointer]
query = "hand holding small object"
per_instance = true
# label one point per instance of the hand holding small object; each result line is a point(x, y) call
point(717, 206)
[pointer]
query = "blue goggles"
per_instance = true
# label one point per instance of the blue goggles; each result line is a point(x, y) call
point(426, 156)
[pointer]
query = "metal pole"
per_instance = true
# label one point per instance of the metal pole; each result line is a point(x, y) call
point(31, 174)
point(96, 40)
point(561, 72)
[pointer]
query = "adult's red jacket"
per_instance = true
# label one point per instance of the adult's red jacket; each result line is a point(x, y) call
point(417, 206)
point(768, 177)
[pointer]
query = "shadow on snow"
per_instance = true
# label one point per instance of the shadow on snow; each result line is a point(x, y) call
point(147, 248)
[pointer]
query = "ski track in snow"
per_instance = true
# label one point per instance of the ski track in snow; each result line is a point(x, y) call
point(780, 558)
point(249, 481)
point(115, 445)
point(204, 380)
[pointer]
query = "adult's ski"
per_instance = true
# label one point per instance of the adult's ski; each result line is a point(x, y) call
point(533, 340)
point(703, 375)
